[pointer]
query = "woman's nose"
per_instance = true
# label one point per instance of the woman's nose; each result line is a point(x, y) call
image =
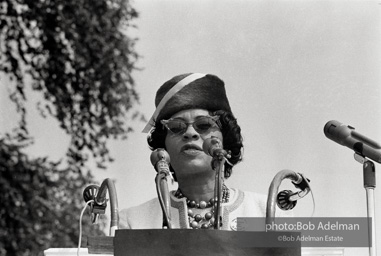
point(190, 133)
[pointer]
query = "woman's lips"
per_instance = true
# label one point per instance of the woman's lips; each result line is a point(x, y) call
point(191, 149)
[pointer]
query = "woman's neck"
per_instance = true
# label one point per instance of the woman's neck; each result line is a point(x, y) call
point(199, 188)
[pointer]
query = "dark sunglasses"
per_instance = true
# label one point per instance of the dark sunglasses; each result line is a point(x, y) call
point(201, 125)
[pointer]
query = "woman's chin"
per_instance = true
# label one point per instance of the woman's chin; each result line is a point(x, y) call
point(194, 163)
point(197, 168)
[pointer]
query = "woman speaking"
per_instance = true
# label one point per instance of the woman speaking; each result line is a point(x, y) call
point(192, 108)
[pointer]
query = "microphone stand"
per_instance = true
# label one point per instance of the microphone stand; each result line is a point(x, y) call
point(218, 164)
point(369, 173)
point(297, 179)
point(98, 194)
point(163, 195)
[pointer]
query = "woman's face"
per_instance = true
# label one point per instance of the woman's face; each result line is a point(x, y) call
point(185, 150)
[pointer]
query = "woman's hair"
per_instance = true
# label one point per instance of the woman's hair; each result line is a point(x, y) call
point(231, 134)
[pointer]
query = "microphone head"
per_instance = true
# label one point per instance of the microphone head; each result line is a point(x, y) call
point(283, 201)
point(158, 155)
point(336, 131)
point(90, 192)
point(211, 144)
point(331, 125)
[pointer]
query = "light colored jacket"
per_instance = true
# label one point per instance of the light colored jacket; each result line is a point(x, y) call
point(149, 214)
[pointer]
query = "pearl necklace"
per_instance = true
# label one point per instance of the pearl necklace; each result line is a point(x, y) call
point(196, 221)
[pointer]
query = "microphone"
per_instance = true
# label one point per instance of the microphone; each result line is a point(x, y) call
point(96, 208)
point(160, 160)
point(213, 147)
point(346, 135)
point(283, 200)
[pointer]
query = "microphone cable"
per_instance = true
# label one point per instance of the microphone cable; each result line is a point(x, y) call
point(80, 225)
point(313, 201)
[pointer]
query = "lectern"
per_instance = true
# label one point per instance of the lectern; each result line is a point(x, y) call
point(183, 242)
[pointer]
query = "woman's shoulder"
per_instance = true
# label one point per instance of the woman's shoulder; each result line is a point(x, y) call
point(246, 204)
point(255, 196)
point(248, 196)
point(138, 215)
point(150, 204)
point(253, 199)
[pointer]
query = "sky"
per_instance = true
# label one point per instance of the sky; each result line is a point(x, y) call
point(289, 67)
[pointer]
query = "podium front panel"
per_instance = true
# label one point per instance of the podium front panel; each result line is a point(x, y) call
point(184, 242)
